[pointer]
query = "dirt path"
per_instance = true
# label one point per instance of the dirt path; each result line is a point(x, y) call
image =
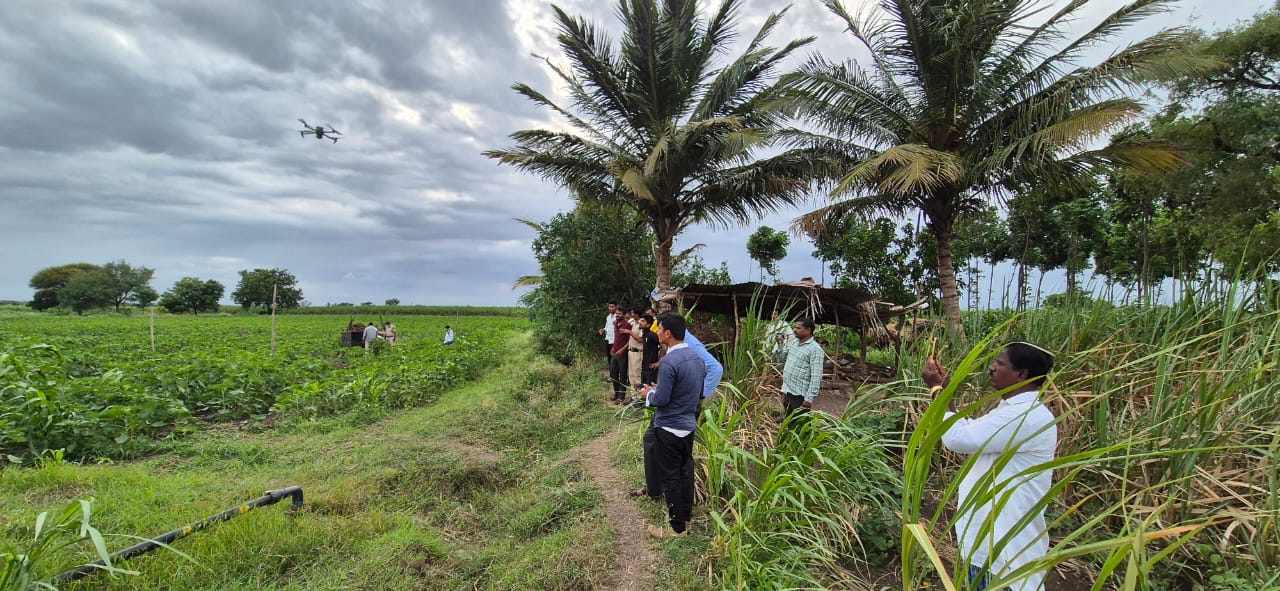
point(635, 557)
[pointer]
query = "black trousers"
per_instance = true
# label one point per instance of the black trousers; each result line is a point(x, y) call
point(673, 471)
point(792, 404)
point(648, 376)
point(652, 484)
point(618, 374)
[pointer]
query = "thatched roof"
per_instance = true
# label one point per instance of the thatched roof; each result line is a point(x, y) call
point(825, 306)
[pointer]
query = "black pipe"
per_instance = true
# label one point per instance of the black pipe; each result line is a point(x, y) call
point(271, 497)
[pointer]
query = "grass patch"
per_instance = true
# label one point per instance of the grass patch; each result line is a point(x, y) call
point(473, 491)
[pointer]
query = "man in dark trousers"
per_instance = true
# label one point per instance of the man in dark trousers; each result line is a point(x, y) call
point(618, 356)
point(675, 402)
point(649, 371)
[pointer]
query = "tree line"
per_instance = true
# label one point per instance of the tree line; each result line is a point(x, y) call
point(984, 123)
point(80, 287)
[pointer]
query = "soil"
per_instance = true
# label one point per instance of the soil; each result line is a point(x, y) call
point(634, 570)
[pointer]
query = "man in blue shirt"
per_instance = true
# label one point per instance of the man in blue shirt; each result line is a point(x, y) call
point(675, 400)
point(715, 371)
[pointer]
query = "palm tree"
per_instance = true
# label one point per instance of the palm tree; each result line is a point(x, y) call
point(660, 128)
point(964, 99)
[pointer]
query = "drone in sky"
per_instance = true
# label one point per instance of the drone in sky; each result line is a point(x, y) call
point(320, 132)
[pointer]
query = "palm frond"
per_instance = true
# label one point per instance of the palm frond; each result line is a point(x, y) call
point(527, 281)
point(822, 220)
point(535, 226)
point(905, 169)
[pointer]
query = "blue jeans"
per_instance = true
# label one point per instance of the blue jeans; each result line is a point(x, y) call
point(979, 578)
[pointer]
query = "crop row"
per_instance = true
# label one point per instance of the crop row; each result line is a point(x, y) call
point(95, 388)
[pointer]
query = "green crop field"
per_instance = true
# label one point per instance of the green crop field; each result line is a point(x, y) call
point(96, 388)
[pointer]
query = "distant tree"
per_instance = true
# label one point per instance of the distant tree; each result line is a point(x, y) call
point(86, 291)
point(692, 269)
point(366, 303)
point(872, 256)
point(124, 281)
point(393, 302)
point(255, 288)
point(979, 235)
point(49, 280)
point(190, 294)
point(144, 296)
point(767, 246)
point(1251, 59)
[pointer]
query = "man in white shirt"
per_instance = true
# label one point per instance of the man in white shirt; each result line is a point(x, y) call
point(1003, 485)
point(370, 335)
point(607, 331)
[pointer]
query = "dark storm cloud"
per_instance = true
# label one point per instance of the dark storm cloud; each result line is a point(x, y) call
point(163, 132)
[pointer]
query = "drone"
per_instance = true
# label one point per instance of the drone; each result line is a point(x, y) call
point(320, 132)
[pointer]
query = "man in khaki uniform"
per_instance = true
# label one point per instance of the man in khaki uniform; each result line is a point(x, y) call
point(635, 349)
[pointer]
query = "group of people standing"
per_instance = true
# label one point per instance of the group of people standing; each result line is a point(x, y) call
point(632, 348)
point(373, 333)
point(388, 333)
point(676, 372)
point(671, 371)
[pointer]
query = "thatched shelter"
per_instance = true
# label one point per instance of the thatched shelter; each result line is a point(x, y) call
point(845, 307)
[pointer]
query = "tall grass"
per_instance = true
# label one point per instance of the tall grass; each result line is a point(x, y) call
point(26, 568)
point(1168, 423)
point(1166, 472)
point(789, 512)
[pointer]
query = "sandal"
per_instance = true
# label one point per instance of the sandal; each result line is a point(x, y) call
point(638, 492)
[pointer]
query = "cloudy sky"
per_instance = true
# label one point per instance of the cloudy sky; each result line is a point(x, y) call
point(164, 133)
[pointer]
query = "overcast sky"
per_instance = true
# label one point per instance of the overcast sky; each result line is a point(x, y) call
point(164, 133)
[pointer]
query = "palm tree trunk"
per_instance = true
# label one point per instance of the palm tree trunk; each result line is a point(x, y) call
point(947, 277)
point(665, 236)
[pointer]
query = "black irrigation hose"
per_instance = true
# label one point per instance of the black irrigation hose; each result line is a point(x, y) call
point(271, 497)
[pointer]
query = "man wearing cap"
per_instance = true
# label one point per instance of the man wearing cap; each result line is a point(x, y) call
point(1008, 478)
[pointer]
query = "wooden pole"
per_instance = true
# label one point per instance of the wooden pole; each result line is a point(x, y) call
point(835, 365)
point(273, 320)
point(737, 324)
point(862, 338)
point(153, 329)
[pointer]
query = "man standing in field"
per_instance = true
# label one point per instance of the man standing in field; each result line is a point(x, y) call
point(618, 356)
point(802, 359)
point(635, 350)
point(607, 331)
point(370, 335)
point(448, 335)
point(675, 402)
point(715, 370)
point(649, 358)
point(389, 333)
point(1006, 483)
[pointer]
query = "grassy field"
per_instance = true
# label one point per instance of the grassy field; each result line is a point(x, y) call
point(1166, 479)
point(474, 491)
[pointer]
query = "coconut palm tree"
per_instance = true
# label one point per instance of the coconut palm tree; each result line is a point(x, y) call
point(963, 100)
point(660, 126)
